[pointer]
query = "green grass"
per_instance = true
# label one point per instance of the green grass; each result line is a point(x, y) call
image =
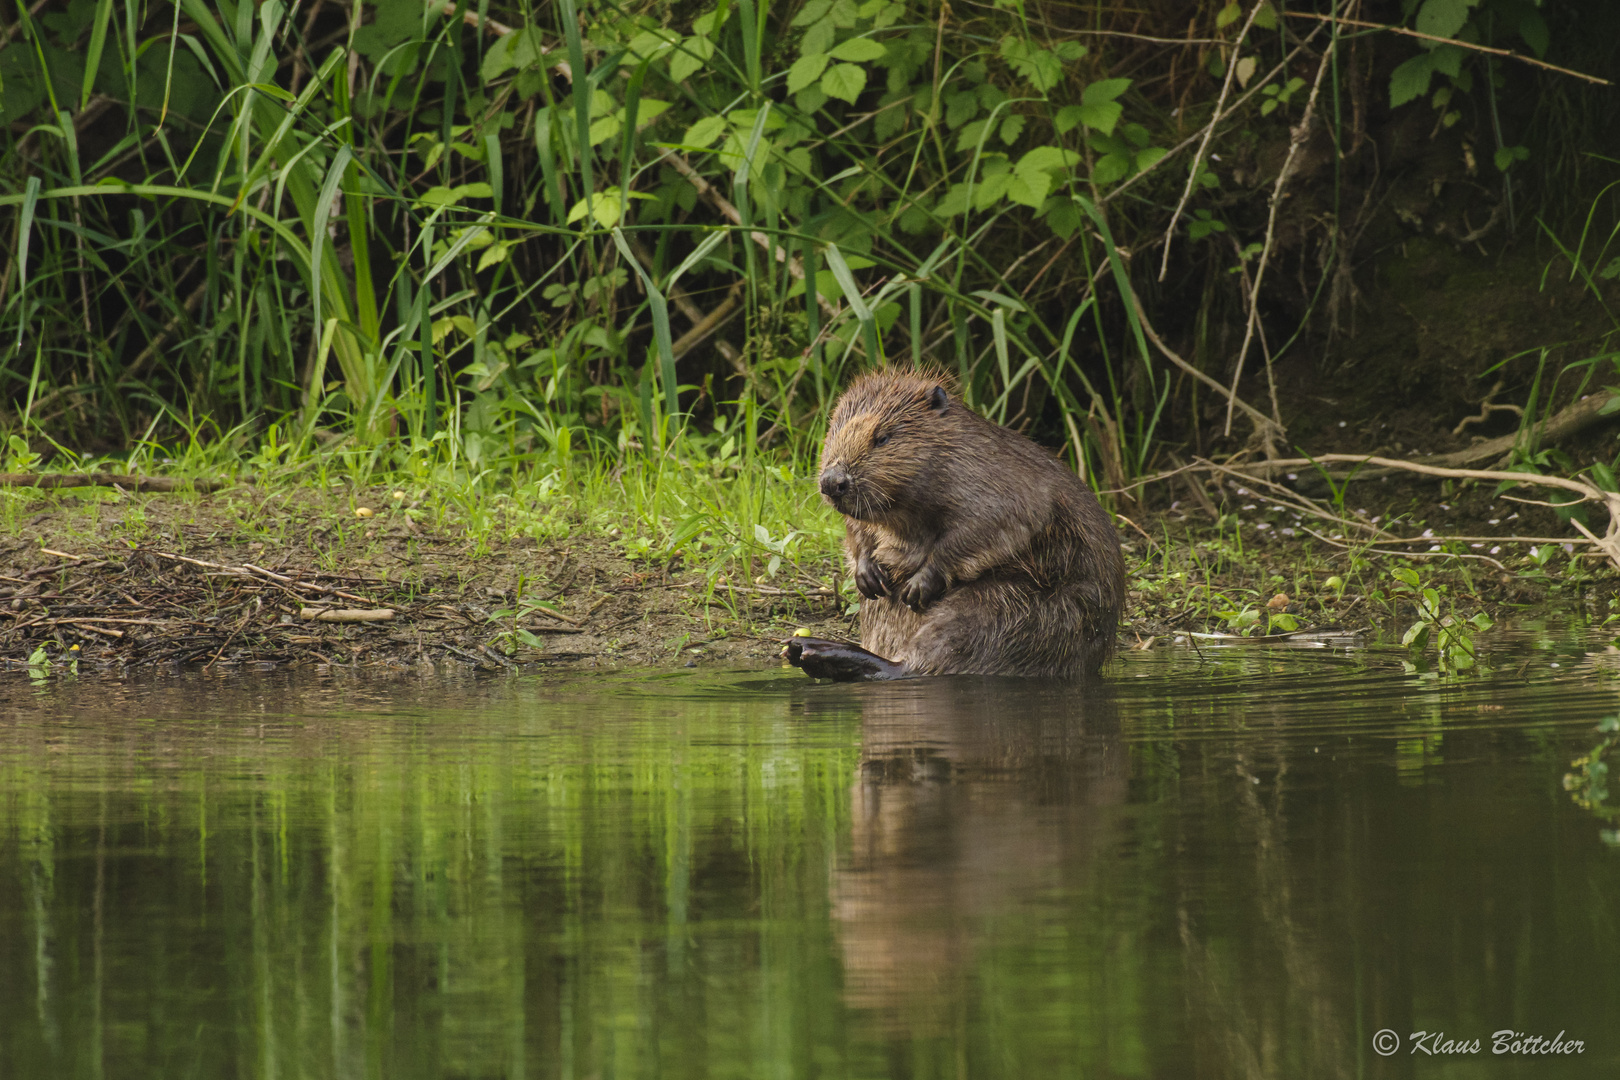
point(710, 501)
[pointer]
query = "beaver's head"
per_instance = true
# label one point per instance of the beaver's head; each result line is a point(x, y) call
point(881, 442)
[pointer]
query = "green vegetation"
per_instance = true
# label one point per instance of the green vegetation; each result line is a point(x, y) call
point(605, 265)
point(1450, 633)
point(1588, 783)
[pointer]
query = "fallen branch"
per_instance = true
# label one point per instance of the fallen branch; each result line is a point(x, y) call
point(1609, 500)
point(118, 480)
point(257, 573)
point(85, 624)
point(348, 615)
point(1574, 418)
point(1405, 554)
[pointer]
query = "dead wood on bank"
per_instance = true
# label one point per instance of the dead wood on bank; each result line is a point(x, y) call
point(154, 607)
point(1261, 475)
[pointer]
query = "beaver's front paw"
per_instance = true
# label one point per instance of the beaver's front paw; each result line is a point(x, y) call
point(922, 588)
point(871, 580)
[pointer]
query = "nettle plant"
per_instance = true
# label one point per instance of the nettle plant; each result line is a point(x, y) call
point(976, 136)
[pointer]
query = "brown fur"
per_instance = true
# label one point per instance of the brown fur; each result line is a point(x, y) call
point(975, 550)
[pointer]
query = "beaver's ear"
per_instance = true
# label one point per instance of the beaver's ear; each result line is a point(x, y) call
point(938, 399)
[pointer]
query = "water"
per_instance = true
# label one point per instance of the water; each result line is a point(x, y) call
point(1242, 864)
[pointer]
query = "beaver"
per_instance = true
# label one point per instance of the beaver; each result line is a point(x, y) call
point(975, 551)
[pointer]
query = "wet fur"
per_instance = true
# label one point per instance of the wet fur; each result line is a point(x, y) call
point(975, 550)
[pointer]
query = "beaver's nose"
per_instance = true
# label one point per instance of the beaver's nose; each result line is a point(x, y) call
point(835, 482)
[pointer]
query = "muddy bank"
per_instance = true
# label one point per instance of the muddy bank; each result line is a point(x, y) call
point(239, 579)
point(223, 581)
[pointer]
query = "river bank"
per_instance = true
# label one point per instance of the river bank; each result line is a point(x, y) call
point(378, 578)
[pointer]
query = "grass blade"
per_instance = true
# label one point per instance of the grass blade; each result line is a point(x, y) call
point(660, 316)
point(323, 211)
point(98, 42)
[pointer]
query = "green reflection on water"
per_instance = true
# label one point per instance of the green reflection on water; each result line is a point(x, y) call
point(1241, 866)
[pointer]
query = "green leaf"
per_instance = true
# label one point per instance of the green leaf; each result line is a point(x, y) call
point(1104, 90)
point(969, 137)
point(1443, 18)
point(495, 253)
point(812, 11)
point(1029, 189)
point(859, 50)
point(1067, 119)
point(888, 123)
point(1032, 176)
point(1039, 67)
point(1507, 155)
point(1149, 156)
point(846, 282)
point(606, 207)
point(1110, 168)
point(805, 70)
point(1047, 158)
point(889, 15)
point(1533, 28)
point(1266, 17)
point(1011, 127)
point(1410, 81)
point(705, 131)
point(1228, 15)
point(809, 99)
point(650, 110)
point(1447, 60)
point(843, 13)
point(1101, 116)
point(961, 107)
point(844, 82)
point(692, 55)
point(649, 44)
point(955, 201)
point(604, 128)
point(448, 196)
point(1063, 217)
point(818, 39)
point(826, 281)
point(1406, 575)
point(990, 190)
point(92, 59)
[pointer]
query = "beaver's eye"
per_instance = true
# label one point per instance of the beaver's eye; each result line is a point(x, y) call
point(882, 439)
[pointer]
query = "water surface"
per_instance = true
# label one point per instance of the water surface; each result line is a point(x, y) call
point(1240, 863)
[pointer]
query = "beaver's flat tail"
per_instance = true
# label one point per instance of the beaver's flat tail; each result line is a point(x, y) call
point(840, 661)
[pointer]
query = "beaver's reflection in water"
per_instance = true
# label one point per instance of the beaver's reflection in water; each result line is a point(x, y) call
point(976, 800)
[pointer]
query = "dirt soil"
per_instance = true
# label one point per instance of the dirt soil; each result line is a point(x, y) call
point(239, 579)
point(235, 579)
